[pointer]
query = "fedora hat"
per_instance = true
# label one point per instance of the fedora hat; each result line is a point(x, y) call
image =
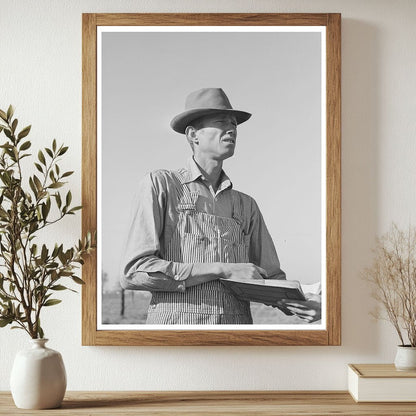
point(204, 102)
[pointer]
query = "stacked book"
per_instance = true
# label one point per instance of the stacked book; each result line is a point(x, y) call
point(268, 291)
point(381, 383)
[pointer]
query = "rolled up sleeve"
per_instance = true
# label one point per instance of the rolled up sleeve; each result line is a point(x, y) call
point(143, 267)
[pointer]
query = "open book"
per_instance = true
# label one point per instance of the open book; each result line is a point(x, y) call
point(267, 291)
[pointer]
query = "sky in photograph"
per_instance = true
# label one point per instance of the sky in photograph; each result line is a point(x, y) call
point(275, 76)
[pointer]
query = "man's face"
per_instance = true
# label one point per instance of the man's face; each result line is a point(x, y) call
point(215, 136)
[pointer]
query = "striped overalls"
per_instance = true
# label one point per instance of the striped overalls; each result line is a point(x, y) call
point(203, 238)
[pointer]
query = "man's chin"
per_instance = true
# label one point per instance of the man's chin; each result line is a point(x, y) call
point(228, 154)
point(223, 156)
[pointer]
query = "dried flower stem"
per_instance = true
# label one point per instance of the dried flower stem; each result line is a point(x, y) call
point(393, 276)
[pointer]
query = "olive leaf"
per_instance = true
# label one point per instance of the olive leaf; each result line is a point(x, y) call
point(31, 271)
point(24, 133)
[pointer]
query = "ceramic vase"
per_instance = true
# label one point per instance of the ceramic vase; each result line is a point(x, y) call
point(405, 358)
point(38, 377)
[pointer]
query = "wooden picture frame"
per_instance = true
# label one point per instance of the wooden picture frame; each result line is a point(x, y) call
point(331, 334)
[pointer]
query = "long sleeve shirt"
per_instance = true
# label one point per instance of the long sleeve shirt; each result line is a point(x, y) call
point(154, 221)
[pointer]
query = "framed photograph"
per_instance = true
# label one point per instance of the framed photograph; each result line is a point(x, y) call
point(190, 218)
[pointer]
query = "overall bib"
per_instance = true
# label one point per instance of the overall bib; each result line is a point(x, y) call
point(203, 238)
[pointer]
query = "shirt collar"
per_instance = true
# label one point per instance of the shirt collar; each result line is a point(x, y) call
point(192, 173)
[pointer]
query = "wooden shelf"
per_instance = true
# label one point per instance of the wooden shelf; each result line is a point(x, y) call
point(178, 403)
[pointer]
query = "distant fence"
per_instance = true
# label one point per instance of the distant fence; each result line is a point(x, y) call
point(125, 307)
point(130, 307)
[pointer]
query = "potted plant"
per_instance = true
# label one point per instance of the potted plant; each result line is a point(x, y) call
point(31, 273)
point(393, 277)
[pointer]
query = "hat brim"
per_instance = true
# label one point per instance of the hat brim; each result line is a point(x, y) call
point(181, 121)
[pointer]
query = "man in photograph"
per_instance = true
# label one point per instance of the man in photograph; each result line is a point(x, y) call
point(191, 228)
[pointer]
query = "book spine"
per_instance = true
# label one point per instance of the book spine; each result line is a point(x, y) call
point(353, 381)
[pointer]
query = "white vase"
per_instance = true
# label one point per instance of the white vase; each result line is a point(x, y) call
point(38, 377)
point(405, 358)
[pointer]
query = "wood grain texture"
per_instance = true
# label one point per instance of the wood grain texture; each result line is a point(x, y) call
point(89, 173)
point(331, 336)
point(267, 403)
point(380, 371)
point(333, 243)
point(211, 19)
point(212, 338)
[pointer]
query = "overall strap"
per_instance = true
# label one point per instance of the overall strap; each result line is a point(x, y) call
point(237, 207)
point(186, 198)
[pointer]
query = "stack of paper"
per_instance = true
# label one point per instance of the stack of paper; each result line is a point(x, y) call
point(267, 291)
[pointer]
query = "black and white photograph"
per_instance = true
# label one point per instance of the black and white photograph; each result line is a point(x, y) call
point(211, 178)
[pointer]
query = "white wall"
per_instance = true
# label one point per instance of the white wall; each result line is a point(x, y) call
point(40, 73)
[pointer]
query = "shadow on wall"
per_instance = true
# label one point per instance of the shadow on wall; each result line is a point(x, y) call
point(360, 183)
point(360, 179)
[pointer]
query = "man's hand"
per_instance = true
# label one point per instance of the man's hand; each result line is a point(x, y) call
point(206, 272)
point(242, 271)
point(308, 310)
